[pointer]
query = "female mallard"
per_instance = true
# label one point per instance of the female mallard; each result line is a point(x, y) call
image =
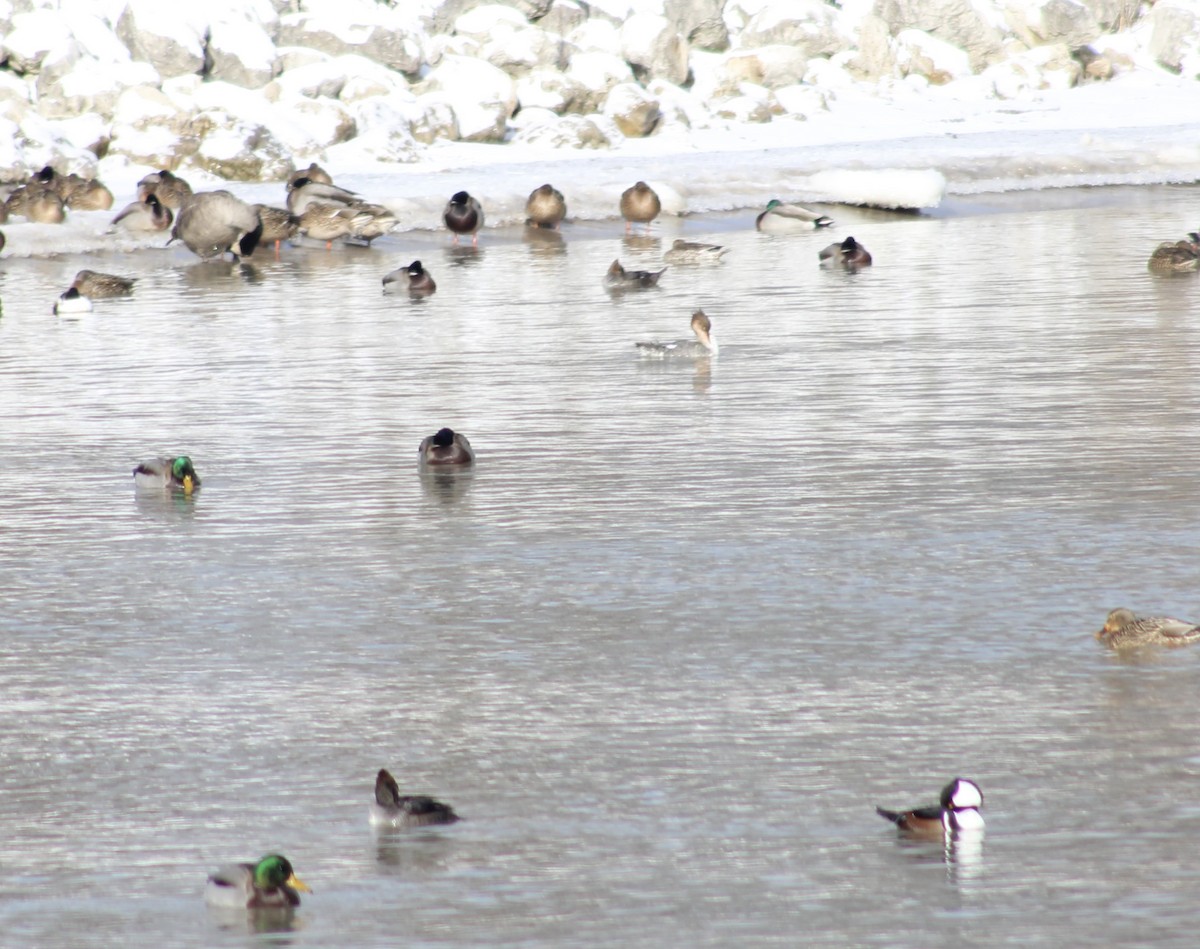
point(89, 195)
point(694, 252)
point(270, 883)
point(1123, 627)
point(639, 205)
point(101, 285)
point(279, 224)
point(303, 192)
point(72, 302)
point(393, 809)
point(618, 278)
point(702, 345)
point(328, 222)
point(170, 189)
point(145, 217)
point(213, 223)
point(849, 254)
point(176, 473)
point(463, 215)
point(1179, 257)
point(780, 218)
point(414, 278)
point(546, 207)
point(445, 448)
point(45, 207)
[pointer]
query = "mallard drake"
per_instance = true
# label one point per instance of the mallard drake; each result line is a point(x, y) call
point(279, 224)
point(849, 254)
point(414, 278)
point(89, 195)
point(780, 218)
point(169, 188)
point(270, 883)
point(313, 172)
point(702, 345)
point(958, 810)
point(145, 217)
point(393, 809)
point(546, 207)
point(618, 278)
point(101, 285)
point(1123, 627)
point(445, 448)
point(639, 205)
point(176, 473)
point(694, 252)
point(463, 215)
point(303, 192)
point(1179, 257)
point(72, 302)
point(212, 223)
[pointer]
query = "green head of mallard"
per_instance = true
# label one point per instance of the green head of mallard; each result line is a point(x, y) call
point(184, 473)
point(274, 871)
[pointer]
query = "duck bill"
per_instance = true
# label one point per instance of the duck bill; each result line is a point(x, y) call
point(297, 884)
point(189, 484)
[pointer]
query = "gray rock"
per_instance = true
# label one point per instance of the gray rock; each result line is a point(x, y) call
point(808, 25)
point(396, 48)
point(232, 148)
point(1175, 35)
point(700, 22)
point(1064, 21)
point(874, 57)
point(634, 112)
point(653, 46)
point(553, 90)
point(36, 37)
point(241, 53)
point(955, 21)
point(145, 31)
point(562, 17)
point(570, 131)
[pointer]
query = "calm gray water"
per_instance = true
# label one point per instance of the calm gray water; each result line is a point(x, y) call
point(683, 628)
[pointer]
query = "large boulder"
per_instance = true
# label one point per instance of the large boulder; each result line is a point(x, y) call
point(597, 73)
point(171, 39)
point(958, 22)
point(701, 22)
point(553, 90)
point(653, 46)
point(1175, 36)
point(241, 51)
point(568, 131)
point(916, 53)
point(378, 32)
point(634, 112)
point(483, 97)
point(807, 25)
point(37, 36)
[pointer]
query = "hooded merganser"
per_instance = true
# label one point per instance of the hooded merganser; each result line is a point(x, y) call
point(393, 809)
point(72, 302)
point(958, 810)
point(1123, 627)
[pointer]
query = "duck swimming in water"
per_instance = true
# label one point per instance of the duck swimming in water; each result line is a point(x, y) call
point(618, 278)
point(1123, 627)
point(414, 278)
point(694, 252)
point(958, 810)
point(1177, 257)
point(99, 286)
point(393, 809)
point(270, 883)
point(780, 218)
point(702, 345)
point(849, 255)
point(175, 473)
point(463, 215)
point(446, 448)
point(72, 302)
point(639, 205)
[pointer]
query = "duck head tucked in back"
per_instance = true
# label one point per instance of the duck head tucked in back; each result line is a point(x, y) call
point(849, 254)
point(639, 205)
point(546, 207)
point(463, 215)
point(1123, 627)
point(445, 448)
point(415, 278)
point(780, 218)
